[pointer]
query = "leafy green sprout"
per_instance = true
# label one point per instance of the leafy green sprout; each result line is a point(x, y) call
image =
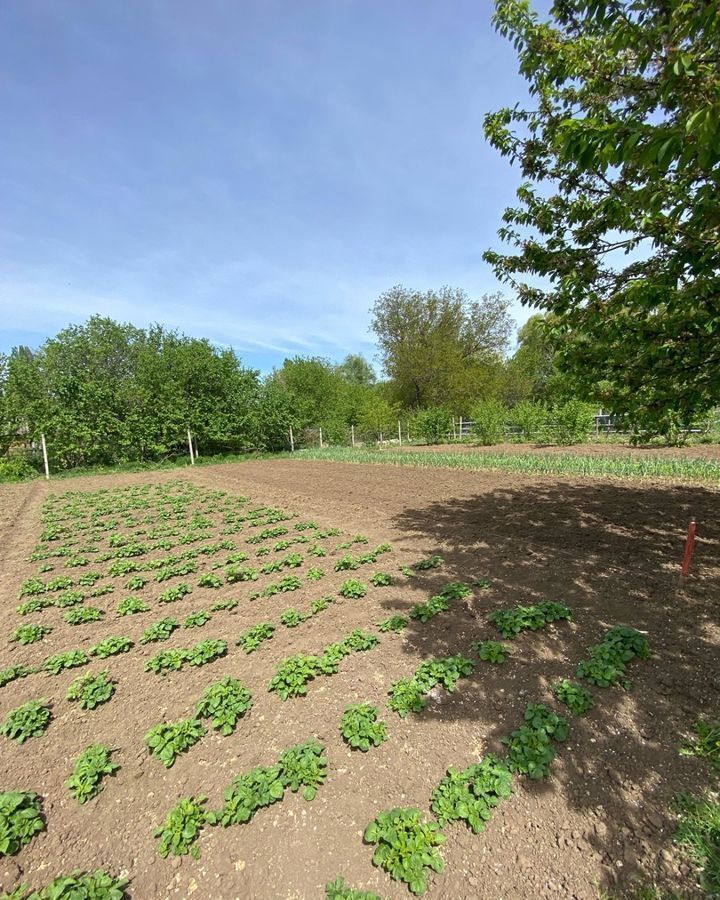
point(490, 651)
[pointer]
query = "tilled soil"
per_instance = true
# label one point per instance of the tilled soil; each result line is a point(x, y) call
point(610, 550)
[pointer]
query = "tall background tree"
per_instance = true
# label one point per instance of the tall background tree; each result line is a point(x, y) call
point(618, 212)
point(440, 348)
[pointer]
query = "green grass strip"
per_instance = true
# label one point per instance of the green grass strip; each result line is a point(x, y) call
point(546, 464)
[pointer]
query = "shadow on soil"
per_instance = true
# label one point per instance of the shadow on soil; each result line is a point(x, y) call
point(611, 552)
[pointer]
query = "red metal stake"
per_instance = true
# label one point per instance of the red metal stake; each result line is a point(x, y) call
point(689, 547)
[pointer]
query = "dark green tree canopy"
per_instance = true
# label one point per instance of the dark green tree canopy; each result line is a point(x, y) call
point(436, 345)
point(617, 230)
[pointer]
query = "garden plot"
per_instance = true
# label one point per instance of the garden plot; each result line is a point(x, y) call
point(243, 691)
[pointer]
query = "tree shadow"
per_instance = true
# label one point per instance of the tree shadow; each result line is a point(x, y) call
point(612, 553)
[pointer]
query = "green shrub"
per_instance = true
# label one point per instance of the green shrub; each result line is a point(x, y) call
point(16, 469)
point(489, 418)
point(531, 417)
point(569, 423)
point(433, 425)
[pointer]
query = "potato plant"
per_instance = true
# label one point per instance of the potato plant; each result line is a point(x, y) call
point(510, 622)
point(173, 594)
point(248, 793)
point(197, 619)
point(472, 794)
point(352, 589)
point(90, 690)
point(131, 605)
point(98, 885)
point(289, 583)
point(407, 695)
point(577, 698)
point(69, 599)
point(291, 618)
point(304, 766)
point(181, 828)
point(225, 702)
point(159, 631)
point(607, 662)
point(223, 605)
point(406, 846)
point(432, 562)
point(294, 673)
point(169, 739)
point(490, 651)
point(380, 579)
point(338, 890)
point(251, 639)
point(68, 659)
point(394, 623)
point(360, 727)
point(111, 646)
point(530, 751)
point(26, 721)
point(91, 766)
point(29, 634)
point(34, 605)
point(11, 673)
point(20, 820)
point(83, 615)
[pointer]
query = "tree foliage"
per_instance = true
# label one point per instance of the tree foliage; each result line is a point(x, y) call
point(618, 211)
point(103, 392)
point(437, 346)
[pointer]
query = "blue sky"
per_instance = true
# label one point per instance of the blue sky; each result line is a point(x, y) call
point(252, 171)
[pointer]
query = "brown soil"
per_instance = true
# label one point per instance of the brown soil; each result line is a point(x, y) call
point(609, 550)
point(692, 451)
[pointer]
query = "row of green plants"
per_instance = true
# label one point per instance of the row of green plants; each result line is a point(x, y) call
point(595, 466)
point(295, 672)
point(302, 766)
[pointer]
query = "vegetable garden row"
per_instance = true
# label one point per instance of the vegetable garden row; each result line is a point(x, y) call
point(106, 557)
